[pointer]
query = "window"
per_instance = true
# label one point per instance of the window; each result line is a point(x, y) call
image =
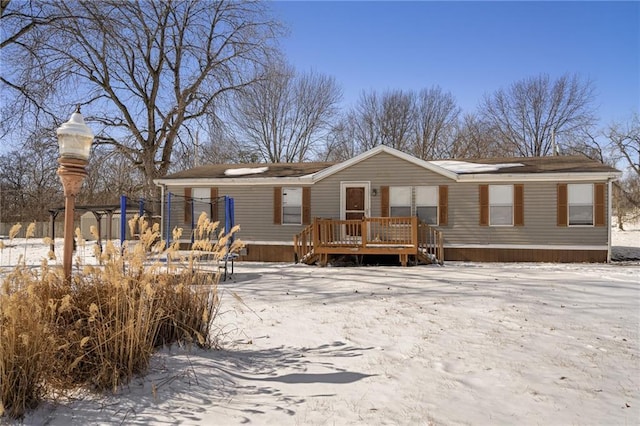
point(427, 204)
point(580, 200)
point(400, 201)
point(292, 206)
point(501, 205)
point(201, 198)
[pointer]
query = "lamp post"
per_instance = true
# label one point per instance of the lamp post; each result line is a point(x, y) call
point(74, 143)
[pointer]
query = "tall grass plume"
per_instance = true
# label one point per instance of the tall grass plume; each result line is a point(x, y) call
point(100, 329)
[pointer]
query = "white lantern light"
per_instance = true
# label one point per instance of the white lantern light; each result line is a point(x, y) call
point(75, 138)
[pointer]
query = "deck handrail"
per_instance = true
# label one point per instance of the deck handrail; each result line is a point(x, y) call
point(303, 243)
point(369, 233)
point(431, 242)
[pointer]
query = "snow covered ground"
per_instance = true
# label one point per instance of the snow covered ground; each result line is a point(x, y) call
point(467, 343)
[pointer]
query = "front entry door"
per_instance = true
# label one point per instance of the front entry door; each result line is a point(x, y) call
point(354, 207)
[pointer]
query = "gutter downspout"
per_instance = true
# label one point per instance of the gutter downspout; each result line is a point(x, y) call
point(161, 209)
point(609, 202)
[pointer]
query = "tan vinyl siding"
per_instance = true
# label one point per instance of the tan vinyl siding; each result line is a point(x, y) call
point(255, 207)
point(380, 170)
point(540, 201)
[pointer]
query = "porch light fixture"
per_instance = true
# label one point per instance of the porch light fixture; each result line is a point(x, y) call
point(74, 144)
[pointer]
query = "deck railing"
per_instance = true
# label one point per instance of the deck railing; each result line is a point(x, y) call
point(383, 235)
point(430, 242)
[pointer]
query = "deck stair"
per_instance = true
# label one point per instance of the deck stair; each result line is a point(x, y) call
point(408, 237)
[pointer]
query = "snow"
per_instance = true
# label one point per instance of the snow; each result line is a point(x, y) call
point(245, 171)
point(466, 167)
point(466, 343)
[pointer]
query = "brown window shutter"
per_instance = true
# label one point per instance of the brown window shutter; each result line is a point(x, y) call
point(187, 205)
point(518, 205)
point(562, 204)
point(443, 205)
point(484, 205)
point(384, 201)
point(214, 203)
point(600, 204)
point(277, 205)
point(306, 205)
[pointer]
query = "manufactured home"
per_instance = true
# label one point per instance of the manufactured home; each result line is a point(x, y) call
point(384, 201)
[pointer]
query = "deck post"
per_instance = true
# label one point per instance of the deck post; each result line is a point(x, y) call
point(315, 232)
point(414, 232)
point(364, 232)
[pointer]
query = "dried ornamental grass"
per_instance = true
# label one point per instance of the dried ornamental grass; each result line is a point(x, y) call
point(101, 329)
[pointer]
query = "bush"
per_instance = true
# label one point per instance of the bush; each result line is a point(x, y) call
point(100, 329)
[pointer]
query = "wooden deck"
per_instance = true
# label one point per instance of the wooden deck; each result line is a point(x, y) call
point(407, 237)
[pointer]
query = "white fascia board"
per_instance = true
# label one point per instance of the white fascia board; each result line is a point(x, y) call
point(374, 151)
point(271, 181)
point(538, 177)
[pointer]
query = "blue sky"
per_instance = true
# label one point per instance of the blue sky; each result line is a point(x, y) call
point(468, 48)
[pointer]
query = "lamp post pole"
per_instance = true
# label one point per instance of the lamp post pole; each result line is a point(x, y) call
point(74, 140)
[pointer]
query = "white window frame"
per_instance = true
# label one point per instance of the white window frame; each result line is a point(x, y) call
point(291, 202)
point(401, 199)
point(500, 196)
point(577, 197)
point(201, 197)
point(428, 196)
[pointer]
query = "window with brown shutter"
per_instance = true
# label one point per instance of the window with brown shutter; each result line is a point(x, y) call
point(384, 201)
point(562, 205)
point(306, 205)
point(443, 205)
point(483, 191)
point(213, 198)
point(277, 205)
point(187, 205)
point(518, 205)
point(600, 204)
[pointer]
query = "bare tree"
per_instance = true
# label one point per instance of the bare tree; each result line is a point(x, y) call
point(535, 112)
point(341, 142)
point(283, 116)
point(624, 139)
point(474, 139)
point(147, 68)
point(28, 179)
point(25, 80)
point(436, 119)
point(385, 119)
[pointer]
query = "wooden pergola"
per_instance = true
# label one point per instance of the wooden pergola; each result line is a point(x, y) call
point(99, 211)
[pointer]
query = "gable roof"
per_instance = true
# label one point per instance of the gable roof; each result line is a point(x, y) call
point(488, 169)
point(556, 164)
point(273, 170)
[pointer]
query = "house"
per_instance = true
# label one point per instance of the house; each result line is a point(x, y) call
point(542, 209)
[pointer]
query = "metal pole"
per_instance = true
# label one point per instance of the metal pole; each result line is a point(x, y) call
point(168, 219)
point(71, 172)
point(123, 221)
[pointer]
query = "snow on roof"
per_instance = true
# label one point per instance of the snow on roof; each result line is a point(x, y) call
point(245, 171)
point(466, 167)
